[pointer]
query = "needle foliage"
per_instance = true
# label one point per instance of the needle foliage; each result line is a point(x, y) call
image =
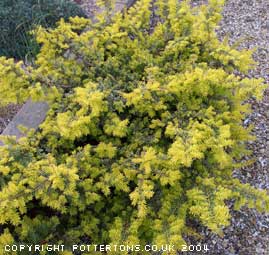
point(143, 133)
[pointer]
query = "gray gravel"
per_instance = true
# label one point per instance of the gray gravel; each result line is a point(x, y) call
point(6, 114)
point(89, 7)
point(249, 230)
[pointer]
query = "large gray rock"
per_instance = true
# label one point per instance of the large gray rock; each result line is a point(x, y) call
point(30, 116)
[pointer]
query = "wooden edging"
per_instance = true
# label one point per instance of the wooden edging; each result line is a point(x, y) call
point(32, 114)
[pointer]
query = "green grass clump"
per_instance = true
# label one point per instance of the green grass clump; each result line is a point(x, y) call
point(19, 17)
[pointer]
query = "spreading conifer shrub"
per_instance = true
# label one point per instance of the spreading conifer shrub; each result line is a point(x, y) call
point(143, 133)
point(19, 17)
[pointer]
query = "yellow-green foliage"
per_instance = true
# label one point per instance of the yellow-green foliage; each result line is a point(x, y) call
point(14, 81)
point(143, 133)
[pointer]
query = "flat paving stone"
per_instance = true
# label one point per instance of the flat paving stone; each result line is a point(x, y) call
point(30, 116)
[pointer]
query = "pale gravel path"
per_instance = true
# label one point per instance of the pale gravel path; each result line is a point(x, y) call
point(6, 114)
point(89, 6)
point(249, 230)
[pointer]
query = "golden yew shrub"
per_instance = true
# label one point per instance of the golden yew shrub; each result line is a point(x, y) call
point(143, 133)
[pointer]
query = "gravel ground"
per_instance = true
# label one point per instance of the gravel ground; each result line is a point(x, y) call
point(6, 115)
point(248, 233)
point(89, 6)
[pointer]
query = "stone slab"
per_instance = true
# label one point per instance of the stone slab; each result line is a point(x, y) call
point(30, 116)
point(119, 6)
